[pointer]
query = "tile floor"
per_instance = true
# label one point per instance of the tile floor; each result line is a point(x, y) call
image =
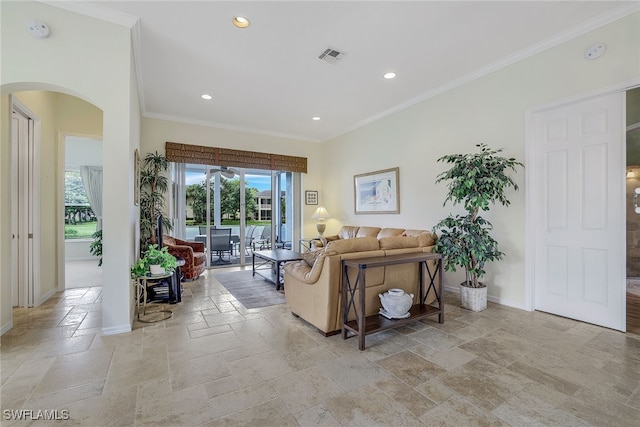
point(216, 363)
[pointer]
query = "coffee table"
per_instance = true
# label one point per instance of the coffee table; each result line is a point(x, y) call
point(272, 261)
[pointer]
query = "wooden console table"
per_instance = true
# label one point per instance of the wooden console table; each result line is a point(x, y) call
point(364, 325)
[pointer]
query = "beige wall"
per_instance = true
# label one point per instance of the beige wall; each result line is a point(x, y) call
point(91, 59)
point(60, 115)
point(5, 216)
point(490, 109)
point(43, 105)
point(155, 133)
point(633, 106)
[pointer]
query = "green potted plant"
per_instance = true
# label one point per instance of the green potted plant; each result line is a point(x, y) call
point(153, 186)
point(475, 180)
point(95, 248)
point(155, 261)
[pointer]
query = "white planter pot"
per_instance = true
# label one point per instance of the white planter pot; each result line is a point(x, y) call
point(156, 269)
point(474, 299)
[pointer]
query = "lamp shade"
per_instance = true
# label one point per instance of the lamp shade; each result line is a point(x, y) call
point(320, 213)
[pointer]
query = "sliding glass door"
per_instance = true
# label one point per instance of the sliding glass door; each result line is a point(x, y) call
point(252, 207)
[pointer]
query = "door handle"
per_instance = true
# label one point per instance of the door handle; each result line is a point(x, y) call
point(636, 208)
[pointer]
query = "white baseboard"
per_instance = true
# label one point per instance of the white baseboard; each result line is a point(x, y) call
point(497, 300)
point(45, 297)
point(121, 329)
point(7, 327)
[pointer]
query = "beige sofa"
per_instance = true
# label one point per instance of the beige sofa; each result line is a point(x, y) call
point(313, 286)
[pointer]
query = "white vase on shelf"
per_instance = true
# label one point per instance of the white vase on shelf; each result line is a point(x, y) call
point(396, 303)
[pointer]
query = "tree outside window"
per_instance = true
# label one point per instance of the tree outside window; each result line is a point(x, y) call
point(79, 221)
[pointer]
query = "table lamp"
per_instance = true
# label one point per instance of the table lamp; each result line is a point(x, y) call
point(320, 214)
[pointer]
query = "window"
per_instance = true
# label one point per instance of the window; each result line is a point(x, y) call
point(79, 220)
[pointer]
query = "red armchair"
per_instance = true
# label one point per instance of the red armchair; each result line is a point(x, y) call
point(192, 253)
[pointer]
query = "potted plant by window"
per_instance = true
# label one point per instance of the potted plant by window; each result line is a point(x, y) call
point(155, 261)
point(153, 186)
point(95, 248)
point(475, 180)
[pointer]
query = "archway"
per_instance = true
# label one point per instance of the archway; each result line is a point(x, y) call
point(61, 112)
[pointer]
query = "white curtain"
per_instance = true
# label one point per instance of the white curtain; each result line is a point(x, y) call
point(92, 181)
point(178, 208)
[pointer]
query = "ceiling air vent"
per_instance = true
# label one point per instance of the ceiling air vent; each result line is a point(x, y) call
point(331, 56)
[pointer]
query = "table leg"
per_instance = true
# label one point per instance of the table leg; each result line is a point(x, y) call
point(278, 282)
point(362, 324)
point(254, 264)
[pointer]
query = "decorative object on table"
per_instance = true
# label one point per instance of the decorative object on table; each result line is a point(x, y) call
point(153, 186)
point(377, 192)
point(310, 197)
point(476, 180)
point(160, 258)
point(395, 304)
point(321, 214)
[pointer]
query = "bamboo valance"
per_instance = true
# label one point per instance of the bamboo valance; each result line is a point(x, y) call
point(185, 153)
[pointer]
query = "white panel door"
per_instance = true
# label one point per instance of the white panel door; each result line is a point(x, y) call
point(579, 218)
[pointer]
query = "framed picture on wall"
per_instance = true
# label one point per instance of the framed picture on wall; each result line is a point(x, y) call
point(310, 197)
point(377, 192)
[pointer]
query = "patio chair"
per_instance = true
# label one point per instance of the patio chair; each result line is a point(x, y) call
point(248, 239)
point(263, 240)
point(221, 243)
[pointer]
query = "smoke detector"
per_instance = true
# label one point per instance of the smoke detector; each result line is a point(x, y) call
point(331, 56)
point(38, 29)
point(595, 51)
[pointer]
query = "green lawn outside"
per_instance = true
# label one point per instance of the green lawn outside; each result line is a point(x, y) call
point(231, 222)
point(82, 230)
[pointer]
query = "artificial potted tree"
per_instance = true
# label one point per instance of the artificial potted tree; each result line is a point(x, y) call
point(153, 186)
point(475, 180)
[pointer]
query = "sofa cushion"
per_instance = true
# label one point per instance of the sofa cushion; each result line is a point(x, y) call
point(426, 239)
point(398, 242)
point(368, 231)
point(390, 232)
point(168, 240)
point(359, 244)
point(348, 232)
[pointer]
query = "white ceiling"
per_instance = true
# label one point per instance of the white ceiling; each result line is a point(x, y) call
point(267, 78)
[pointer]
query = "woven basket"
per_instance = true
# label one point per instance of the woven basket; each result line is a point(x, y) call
point(474, 299)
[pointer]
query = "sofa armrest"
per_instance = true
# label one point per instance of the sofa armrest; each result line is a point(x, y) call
point(301, 271)
point(322, 241)
point(181, 251)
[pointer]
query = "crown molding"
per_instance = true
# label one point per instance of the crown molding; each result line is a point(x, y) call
point(224, 126)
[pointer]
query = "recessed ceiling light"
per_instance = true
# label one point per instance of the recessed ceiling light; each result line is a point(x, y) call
point(240, 21)
point(206, 96)
point(389, 76)
point(316, 118)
